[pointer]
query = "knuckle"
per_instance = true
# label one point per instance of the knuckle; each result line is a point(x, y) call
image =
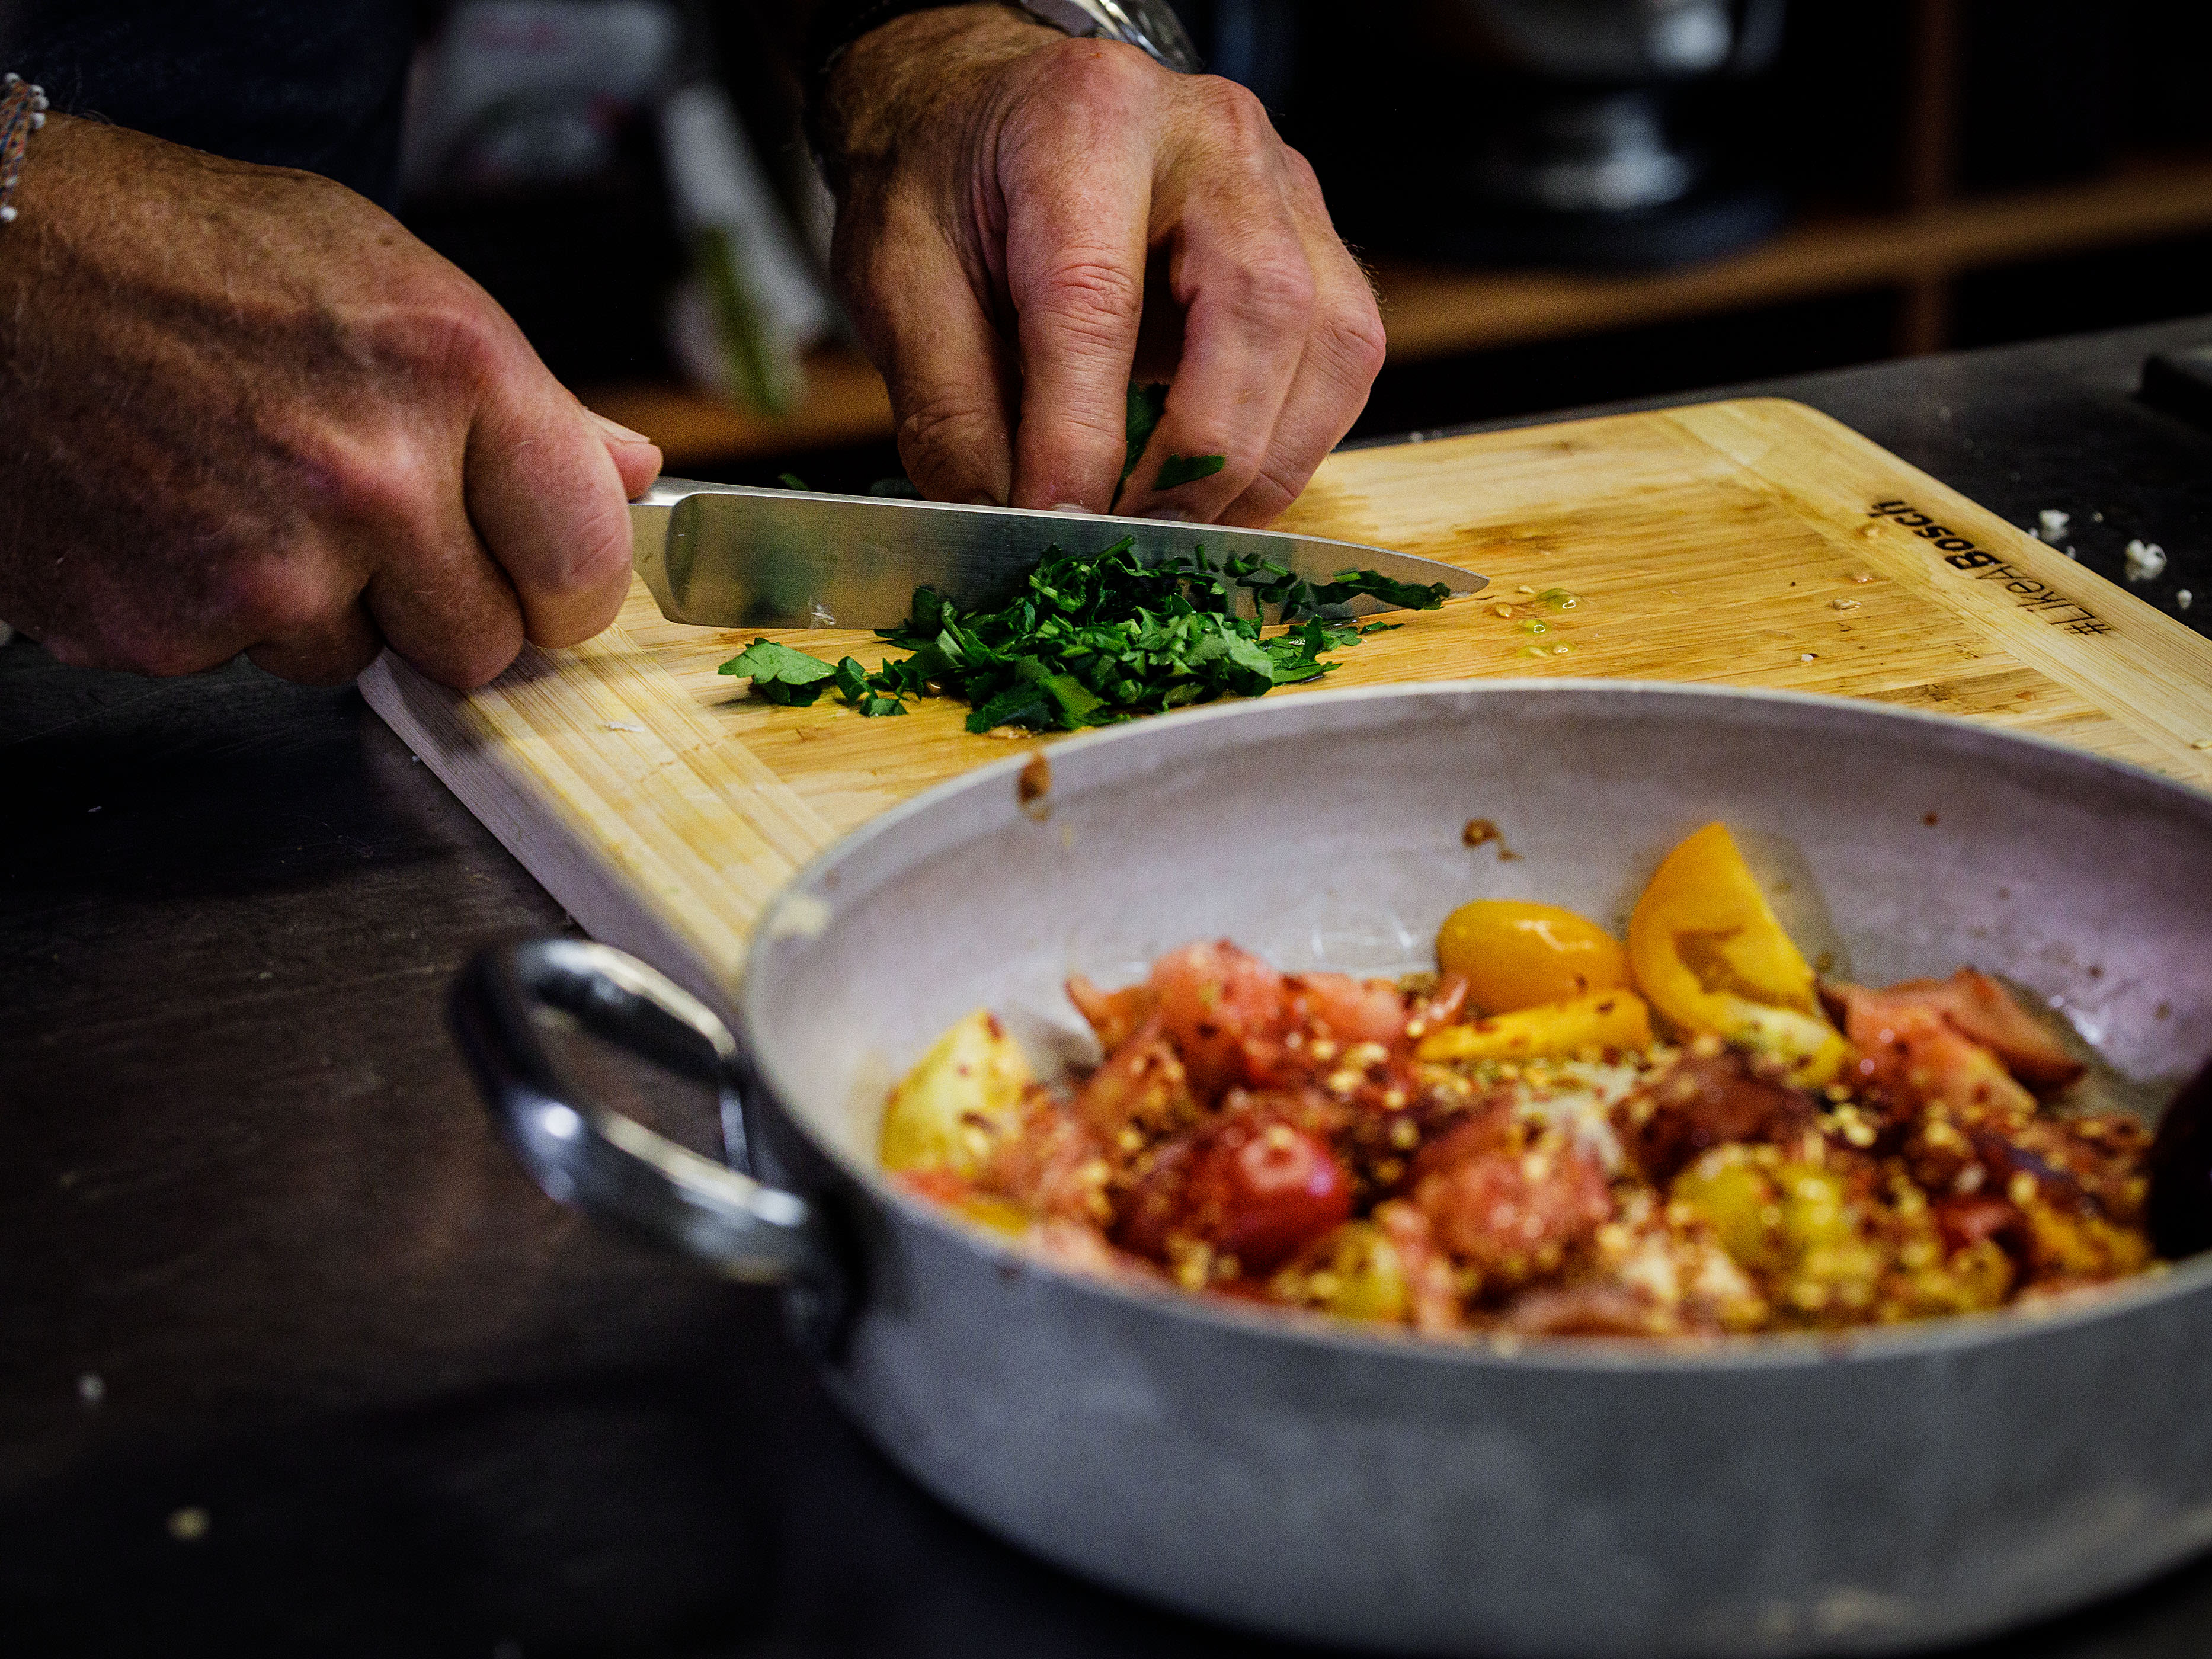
point(389, 481)
point(1092, 296)
point(483, 658)
point(280, 595)
point(1102, 75)
point(453, 332)
point(1303, 180)
point(1237, 116)
point(1352, 337)
point(939, 439)
point(1267, 496)
point(1275, 288)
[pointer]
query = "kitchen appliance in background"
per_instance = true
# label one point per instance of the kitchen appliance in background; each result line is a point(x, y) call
point(1570, 132)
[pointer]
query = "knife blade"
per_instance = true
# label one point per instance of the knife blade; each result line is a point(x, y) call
point(724, 555)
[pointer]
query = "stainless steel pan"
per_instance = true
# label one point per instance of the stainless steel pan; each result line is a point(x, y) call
point(1772, 1496)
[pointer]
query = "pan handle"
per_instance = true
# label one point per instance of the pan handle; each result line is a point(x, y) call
point(584, 1153)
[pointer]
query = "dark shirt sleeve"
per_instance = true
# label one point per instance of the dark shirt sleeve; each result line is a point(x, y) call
point(316, 84)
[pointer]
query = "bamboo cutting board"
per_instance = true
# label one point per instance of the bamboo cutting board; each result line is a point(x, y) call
point(1753, 543)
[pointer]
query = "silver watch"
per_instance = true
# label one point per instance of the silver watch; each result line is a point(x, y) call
point(1149, 24)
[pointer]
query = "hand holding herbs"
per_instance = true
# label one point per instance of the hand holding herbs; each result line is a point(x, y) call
point(1093, 640)
point(1026, 222)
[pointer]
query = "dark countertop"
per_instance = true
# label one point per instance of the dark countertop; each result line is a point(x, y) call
point(295, 1357)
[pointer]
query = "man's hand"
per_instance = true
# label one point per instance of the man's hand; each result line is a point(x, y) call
point(1003, 191)
point(244, 410)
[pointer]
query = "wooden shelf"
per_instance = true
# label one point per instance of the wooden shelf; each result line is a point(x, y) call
point(845, 403)
point(1435, 311)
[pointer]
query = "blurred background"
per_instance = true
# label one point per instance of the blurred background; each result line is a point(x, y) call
point(1562, 201)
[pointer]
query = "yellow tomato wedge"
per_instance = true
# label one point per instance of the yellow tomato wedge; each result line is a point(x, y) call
point(1707, 950)
point(1357, 1272)
point(1604, 1019)
point(1516, 955)
point(960, 1100)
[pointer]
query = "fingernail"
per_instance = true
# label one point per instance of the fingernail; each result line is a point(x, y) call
point(1171, 514)
point(617, 430)
point(1072, 506)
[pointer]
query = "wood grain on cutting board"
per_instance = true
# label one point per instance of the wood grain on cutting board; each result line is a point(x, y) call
point(1753, 543)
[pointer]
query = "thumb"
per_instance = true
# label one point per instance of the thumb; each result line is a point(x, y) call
point(636, 456)
point(542, 493)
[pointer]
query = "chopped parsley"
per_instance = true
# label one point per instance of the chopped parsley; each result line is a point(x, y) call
point(780, 674)
point(1187, 469)
point(1147, 404)
point(1092, 639)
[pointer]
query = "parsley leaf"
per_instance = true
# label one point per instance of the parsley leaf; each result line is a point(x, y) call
point(793, 481)
point(1357, 584)
point(1187, 469)
point(854, 689)
point(781, 675)
point(1146, 404)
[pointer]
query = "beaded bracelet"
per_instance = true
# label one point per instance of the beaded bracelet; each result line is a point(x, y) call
point(22, 112)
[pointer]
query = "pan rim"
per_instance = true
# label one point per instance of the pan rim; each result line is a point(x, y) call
point(1627, 1356)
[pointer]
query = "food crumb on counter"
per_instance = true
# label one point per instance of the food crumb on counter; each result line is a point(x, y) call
point(623, 726)
point(188, 1525)
point(1033, 784)
point(1483, 832)
point(1843, 604)
point(1808, 656)
point(2146, 560)
point(2182, 599)
point(2051, 525)
point(91, 1387)
point(1862, 577)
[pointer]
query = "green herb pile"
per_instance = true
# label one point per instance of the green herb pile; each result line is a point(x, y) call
point(1099, 639)
point(1093, 640)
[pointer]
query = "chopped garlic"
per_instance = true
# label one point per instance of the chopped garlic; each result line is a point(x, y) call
point(2146, 561)
point(2054, 523)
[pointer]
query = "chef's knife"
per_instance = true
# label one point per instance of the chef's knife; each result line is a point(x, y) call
point(726, 556)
